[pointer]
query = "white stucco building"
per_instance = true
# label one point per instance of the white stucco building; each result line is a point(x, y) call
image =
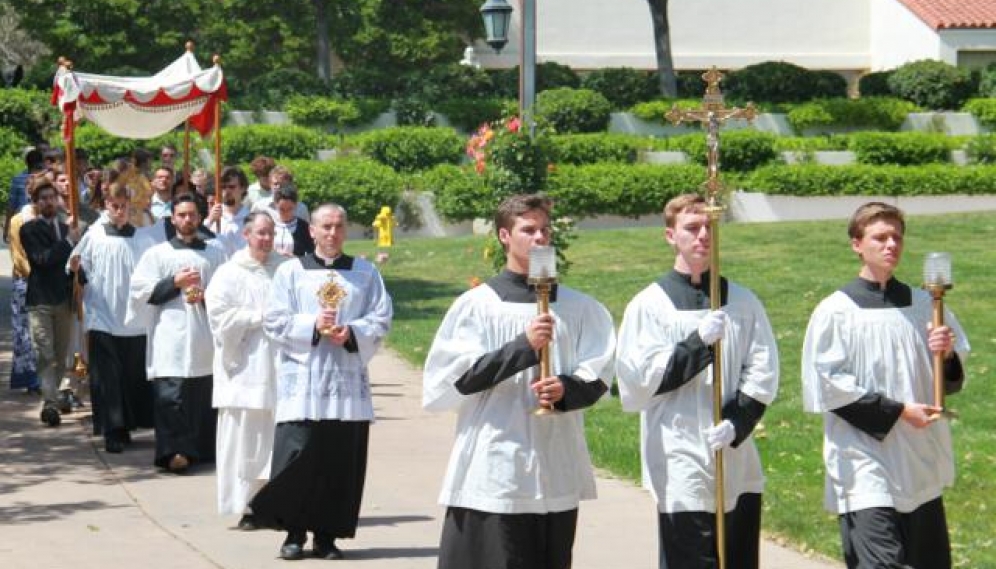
point(849, 36)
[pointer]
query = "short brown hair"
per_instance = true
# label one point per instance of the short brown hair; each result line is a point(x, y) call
point(872, 212)
point(261, 166)
point(118, 191)
point(516, 206)
point(41, 183)
point(680, 204)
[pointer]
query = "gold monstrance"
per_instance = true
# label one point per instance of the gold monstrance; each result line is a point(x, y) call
point(712, 115)
point(543, 275)
point(330, 295)
point(937, 281)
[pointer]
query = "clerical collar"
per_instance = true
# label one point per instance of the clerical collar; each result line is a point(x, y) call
point(195, 244)
point(126, 230)
point(313, 262)
point(686, 295)
point(515, 288)
point(871, 295)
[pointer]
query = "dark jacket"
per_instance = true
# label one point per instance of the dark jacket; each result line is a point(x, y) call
point(48, 283)
point(303, 243)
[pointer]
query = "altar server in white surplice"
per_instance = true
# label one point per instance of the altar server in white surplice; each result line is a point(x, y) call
point(167, 295)
point(867, 368)
point(106, 257)
point(515, 480)
point(324, 403)
point(245, 388)
point(664, 366)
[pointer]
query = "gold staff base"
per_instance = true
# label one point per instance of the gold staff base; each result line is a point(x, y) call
point(543, 287)
point(937, 320)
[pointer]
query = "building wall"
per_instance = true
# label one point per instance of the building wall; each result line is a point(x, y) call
point(976, 47)
point(898, 36)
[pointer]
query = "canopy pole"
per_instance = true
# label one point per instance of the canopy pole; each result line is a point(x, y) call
point(186, 154)
point(217, 146)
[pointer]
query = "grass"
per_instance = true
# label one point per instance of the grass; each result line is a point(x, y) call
point(791, 266)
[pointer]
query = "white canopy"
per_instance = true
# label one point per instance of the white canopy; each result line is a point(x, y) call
point(143, 107)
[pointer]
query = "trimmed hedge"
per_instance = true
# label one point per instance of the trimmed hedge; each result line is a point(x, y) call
point(932, 84)
point(573, 110)
point(407, 149)
point(469, 114)
point(654, 111)
point(820, 180)
point(883, 113)
point(103, 148)
point(623, 87)
point(620, 189)
point(875, 84)
point(984, 110)
point(900, 148)
point(982, 149)
point(740, 150)
point(240, 144)
point(324, 112)
point(360, 185)
point(781, 82)
point(460, 193)
point(595, 147)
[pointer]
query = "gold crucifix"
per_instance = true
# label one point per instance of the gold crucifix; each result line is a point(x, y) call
point(712, 114)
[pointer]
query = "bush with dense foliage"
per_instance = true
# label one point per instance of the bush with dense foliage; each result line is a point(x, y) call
point(740, 150)
point(622, 86)
point(9, 167)
point(12, 143)
point(509, 159)
point(883, 113)
point(987, 81)
point(984, 110)
point(324, 112)
point(655, 111)
point(901, 148)
point(468, 114)
point(270, 90)
point(408, 148)
point(932, 84)
point(460, 193)
point(831, 142)
point(875, 84)
point(573, 110)
point(29, 112)
point(455, 81)
point(781, 82)
point(103, 148)
point(982, 149)
point(360, 185)
point(862, 179)
point(240, 144)
point(629, 190)
point(595, 147)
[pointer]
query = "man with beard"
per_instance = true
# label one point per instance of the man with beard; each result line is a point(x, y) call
point(327, 314)
point(244, 372)
point(167, 295)
point(230, 212)
point(47, 243)
point(104, 260)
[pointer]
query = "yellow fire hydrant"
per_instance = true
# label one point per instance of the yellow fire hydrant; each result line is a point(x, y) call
point(384, 225)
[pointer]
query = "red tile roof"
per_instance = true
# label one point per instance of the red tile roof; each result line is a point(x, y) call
point(941, 14)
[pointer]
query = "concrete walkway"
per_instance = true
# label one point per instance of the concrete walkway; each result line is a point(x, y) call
point(64, 503)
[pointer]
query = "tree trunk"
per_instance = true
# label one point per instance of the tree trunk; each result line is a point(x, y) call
point(662, 44)
point(324, 47)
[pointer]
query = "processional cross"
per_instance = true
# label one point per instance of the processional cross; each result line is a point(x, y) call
point(712, 115)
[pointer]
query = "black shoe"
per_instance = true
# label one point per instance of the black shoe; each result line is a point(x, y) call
point(247, 523)
point(50, 414)
point(114, 446)
point(65, 402)
point(76, 402)
point(324, 548)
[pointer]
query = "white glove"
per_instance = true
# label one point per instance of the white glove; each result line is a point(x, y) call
point(720, 436)
point(712, 327)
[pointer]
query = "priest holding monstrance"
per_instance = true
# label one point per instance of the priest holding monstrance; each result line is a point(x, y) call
point(327, 314)
point(518, 370)
point(878, 358)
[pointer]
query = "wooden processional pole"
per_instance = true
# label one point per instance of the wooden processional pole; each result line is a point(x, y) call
point(217, 145)
point(711, 115)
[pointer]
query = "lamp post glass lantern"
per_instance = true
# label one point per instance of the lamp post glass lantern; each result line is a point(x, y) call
point(497, 14)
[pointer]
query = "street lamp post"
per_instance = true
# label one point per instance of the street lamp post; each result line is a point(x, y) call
point(497, 14)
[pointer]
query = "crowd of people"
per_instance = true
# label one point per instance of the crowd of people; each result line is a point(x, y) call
point(241, 332)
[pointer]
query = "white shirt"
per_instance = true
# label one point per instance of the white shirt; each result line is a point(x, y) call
point(678, 465)
point(266, 204)
point(230, 235)
point(505, 459)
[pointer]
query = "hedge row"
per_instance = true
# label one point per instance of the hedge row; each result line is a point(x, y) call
point(360, 185)
point(819, 180)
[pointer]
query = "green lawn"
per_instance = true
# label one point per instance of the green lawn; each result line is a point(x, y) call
point(791, 266)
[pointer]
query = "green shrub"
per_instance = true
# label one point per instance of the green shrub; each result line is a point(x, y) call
point(987, 81)
point(573, 110)
point(780, 82)
point(12, 143)
point(413, 111)
point(365, 82)
point(29, 112)
point(900, 148)
point(629, 190)
point(595, 147)
point(407, 149)
point(875, 84)
point(691, 85)
point(360, 185)
point(9, 167)
point(655, 111)
point(455, 81)
point(932, 84)
point(468, 114)
point(828, 84)
point(833, 142)
point(982, 149)
point(240, 144)
point(326, 112)
point(271, 89)
point(103, 148)
point(460, 193)
point(553, 75)
point(740, 150)
point(884, 113)
point(820, 180)
point(622, 86)
point(984, 110)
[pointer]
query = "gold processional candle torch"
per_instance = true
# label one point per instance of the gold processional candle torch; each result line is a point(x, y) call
point(937, 281)
point(542, 276)
point(330, 295)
